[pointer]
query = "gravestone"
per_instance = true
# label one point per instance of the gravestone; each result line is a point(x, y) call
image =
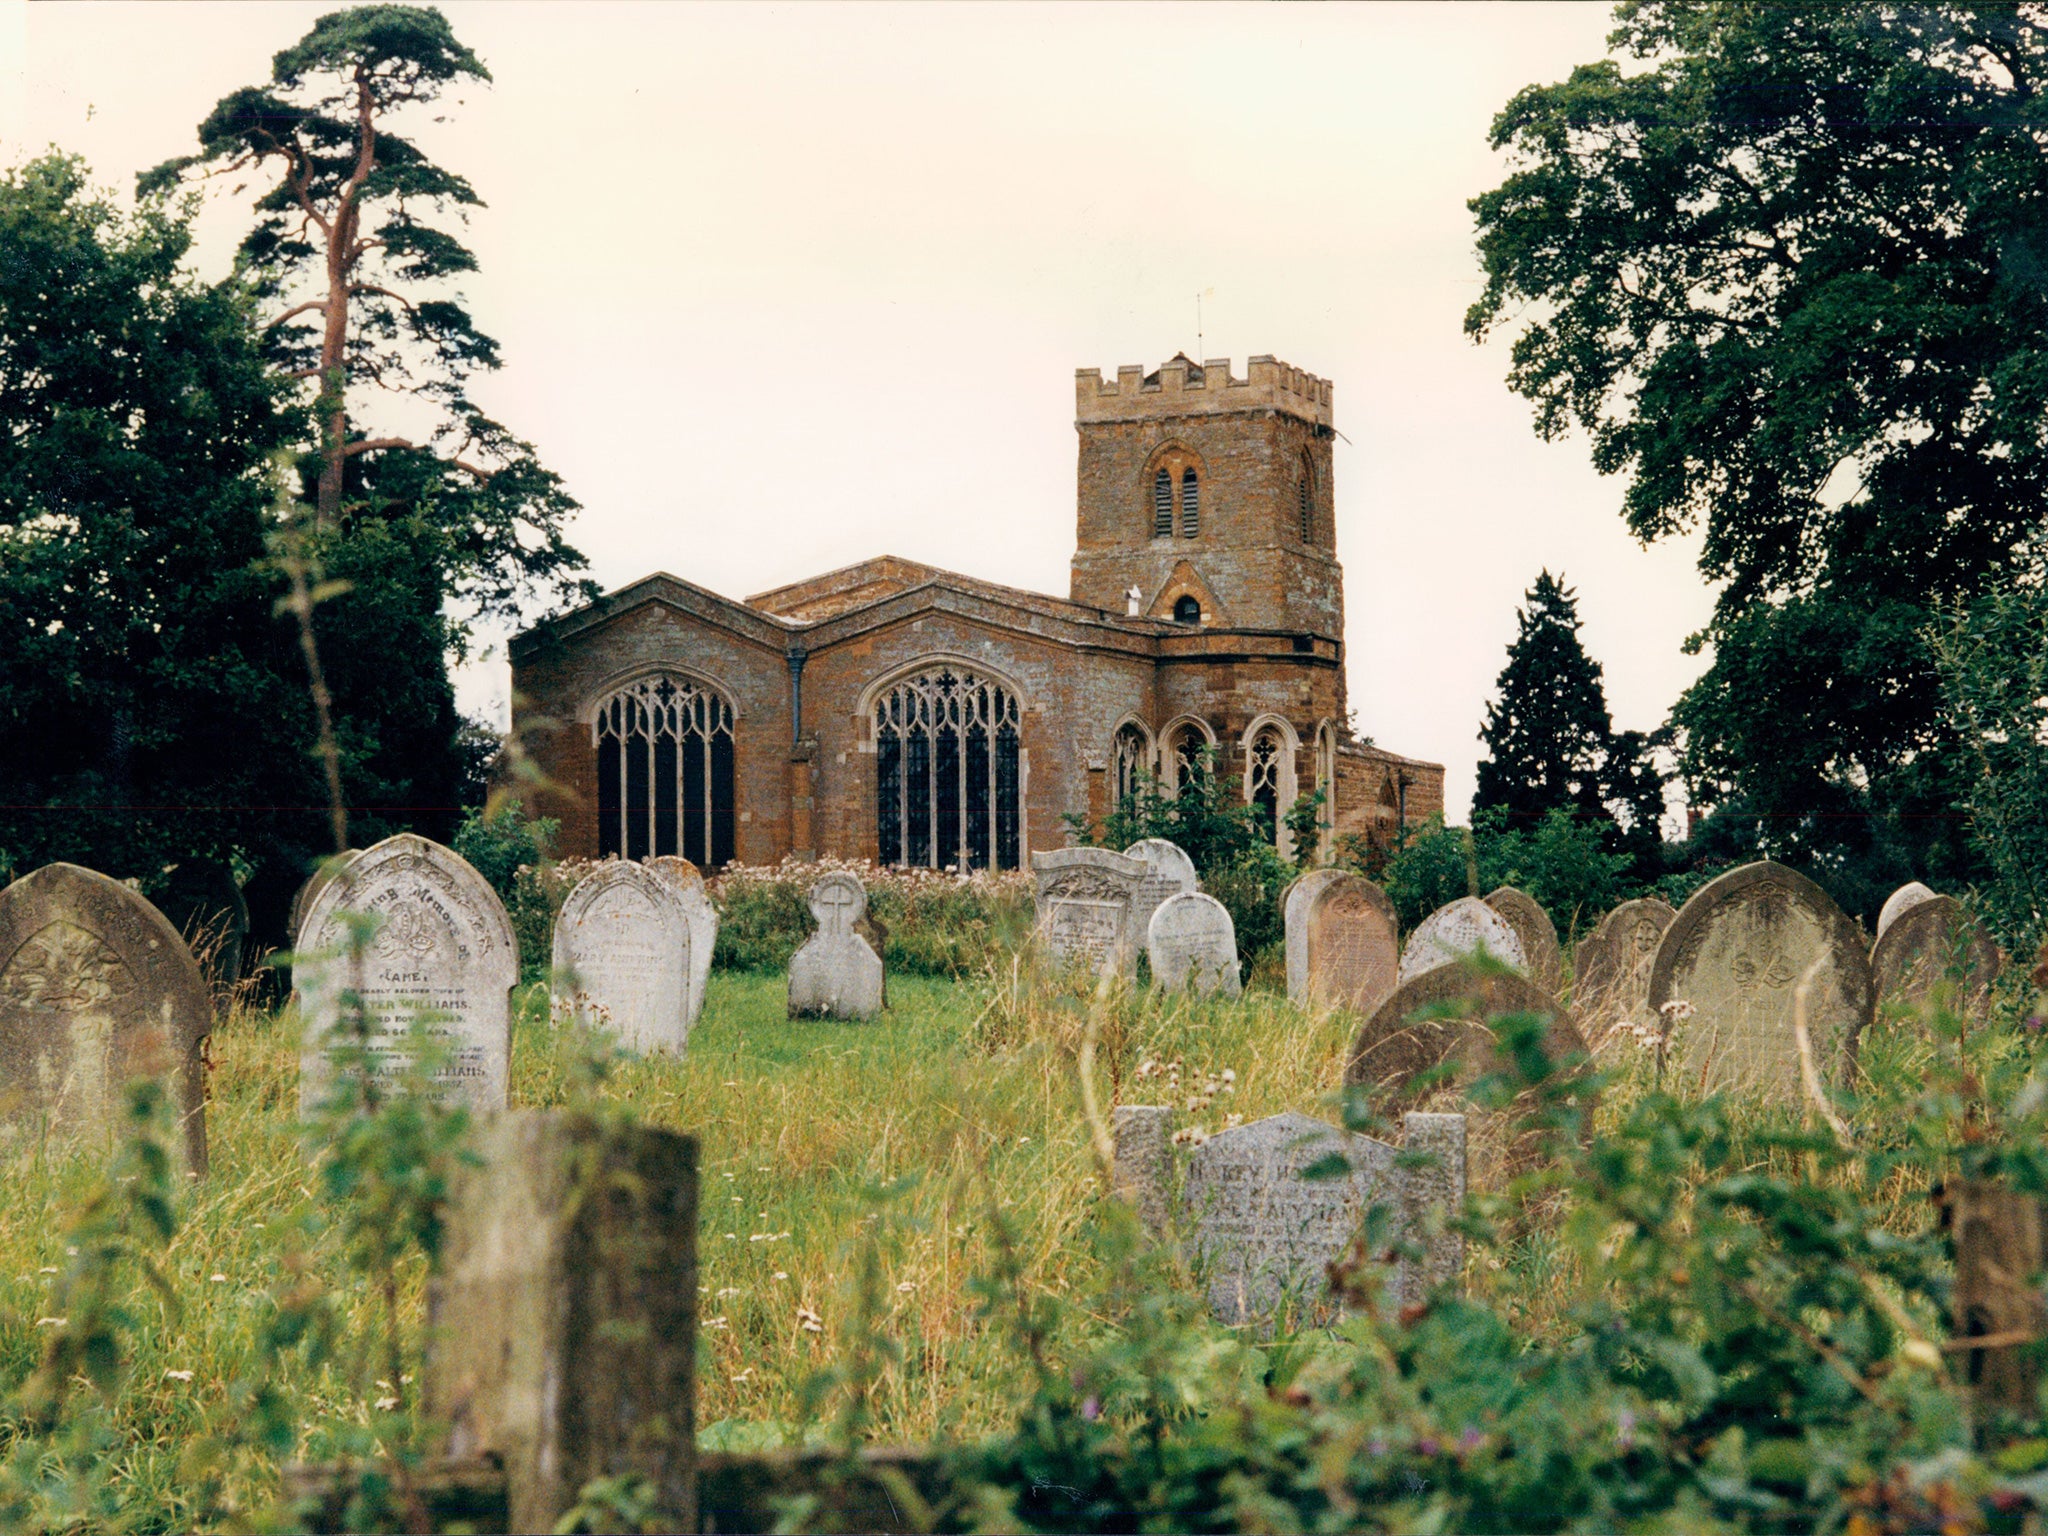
point(1935, 948)
point(205, 905)
point(1170, 872)
point(1535, 932)
point(315, 883)
point(836, 975)
point(1142, 1164)
point(562, 1319)
point(622, 956)
point(1611, 967)
point(1904, 899)
point(703, 919)
point(1084, 907)
point(442, 956)
point(1294, 905)
point(1451, 933)
point(1431, 1039)
point(1191, 942)
point(96, 990)
point(1350, 944)
point(1736, 953)
point(1265, 1238)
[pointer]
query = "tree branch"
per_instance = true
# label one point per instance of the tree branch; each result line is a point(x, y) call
point(297, 309)
point(375, 444)
point(356, 288)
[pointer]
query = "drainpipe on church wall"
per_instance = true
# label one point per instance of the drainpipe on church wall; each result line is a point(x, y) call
point(803, 754)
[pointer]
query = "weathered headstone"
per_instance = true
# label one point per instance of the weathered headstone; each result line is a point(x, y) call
point(1143, 1161)
point(703, 920)
point(1535, 932)
point(1430, 1040)
point(1294, 905)
point(1736, 953)
point(1352, 947)
point(1265, 1237)
point(315, 883)
point(1902, 900)
point(1084, 907)
point(622, 956)
point(1611, 967)
point(836, 975)
point(203, 902)
point(1452, 932)
point(1191, 942)
point(1432, 1198)
point(97, 990)
point(1170, 872)
point(562, 1322)
point(442, 957)
point(1935, 948)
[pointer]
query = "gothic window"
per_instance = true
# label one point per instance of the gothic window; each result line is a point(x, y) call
point(1326, 781)
point(1187, 609)
point(1190, 505)
point(1132, 759)
point(946, 771)
point(1262, 779)
point(665, 782)
point(1185, 749)
point(1162, 505)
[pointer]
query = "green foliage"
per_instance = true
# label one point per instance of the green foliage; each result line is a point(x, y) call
point(937, 923)
point(1562, 861)
point(499, 840)
point(1430, 868)
point(1206, 816)
point(1780, 263)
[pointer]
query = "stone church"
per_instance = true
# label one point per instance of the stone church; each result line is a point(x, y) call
point(895, 712)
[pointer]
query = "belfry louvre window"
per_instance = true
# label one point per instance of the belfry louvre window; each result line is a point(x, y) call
point(946, 771)
point(1190, 505)
point(1307, 507)
point(665, 772)
point(1162, 505)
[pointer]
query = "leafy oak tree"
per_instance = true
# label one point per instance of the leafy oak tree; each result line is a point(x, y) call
point(1784, 266)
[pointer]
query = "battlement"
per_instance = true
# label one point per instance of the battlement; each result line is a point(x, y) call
point(1183, 387)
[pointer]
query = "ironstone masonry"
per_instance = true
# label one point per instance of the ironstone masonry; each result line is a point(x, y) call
point(909, 715)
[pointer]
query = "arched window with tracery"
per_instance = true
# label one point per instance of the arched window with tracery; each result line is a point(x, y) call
point(1186, 752)
point(1262, 779)
point(1326, 781)
point(665, 780)
point(946, 771)
point(1190, 504)
point(1131, 758)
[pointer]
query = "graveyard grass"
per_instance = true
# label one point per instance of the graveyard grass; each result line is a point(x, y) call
point(932, 1148)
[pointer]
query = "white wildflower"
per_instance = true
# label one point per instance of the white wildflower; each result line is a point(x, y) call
point(177, 1375)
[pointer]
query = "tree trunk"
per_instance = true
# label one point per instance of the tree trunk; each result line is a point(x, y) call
point(332, 406)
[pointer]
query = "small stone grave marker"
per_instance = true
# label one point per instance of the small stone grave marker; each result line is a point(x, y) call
point(1170, 872)
point(1611, 967)
point(1736, 953)
point(703, 920)
point(1452, 932)
point(836, 975)
point(1294, 905)
point(1352, 947)
point(1935, 947)
point(97, 990)
point(1084, 907)
point(443, 954)
point(1535, 932)
point(622, 956)
point(1191, 942)
point(1903, 900)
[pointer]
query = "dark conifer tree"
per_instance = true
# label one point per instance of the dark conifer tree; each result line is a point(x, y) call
point(1548, 732)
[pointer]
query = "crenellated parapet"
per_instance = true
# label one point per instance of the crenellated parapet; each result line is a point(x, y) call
point(1183, 387)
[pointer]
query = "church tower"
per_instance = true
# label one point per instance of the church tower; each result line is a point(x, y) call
point(1211, 495)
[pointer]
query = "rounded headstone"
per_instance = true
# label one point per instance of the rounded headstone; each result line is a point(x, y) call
point(1294, 905)
point(442, 956)
point(1936, 947)
point(703, 917)
point(1536, 934)
point(97, 990)
point(1171, 872)
point(1736, 953)
point(1900, 902)
point(1611, 966)
point(1454, 931)
point(1192, 942)
point(622, 956)
point(1352, 946)
point(314, 884)
point(677, 870)
point(1084, 898)
point(1442, 1017)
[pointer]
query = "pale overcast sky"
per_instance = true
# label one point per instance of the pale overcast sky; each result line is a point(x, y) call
point(781, 287)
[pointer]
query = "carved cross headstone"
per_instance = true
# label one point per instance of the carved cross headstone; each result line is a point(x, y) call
point(1191, 942)
point(836, 974)
point(622, 956)
point(1351, 946)
point(1452, 932)
point(96, 990)
point(1736, 953)
point(442, 957)
point(1611, 968)
point(1084, 907)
